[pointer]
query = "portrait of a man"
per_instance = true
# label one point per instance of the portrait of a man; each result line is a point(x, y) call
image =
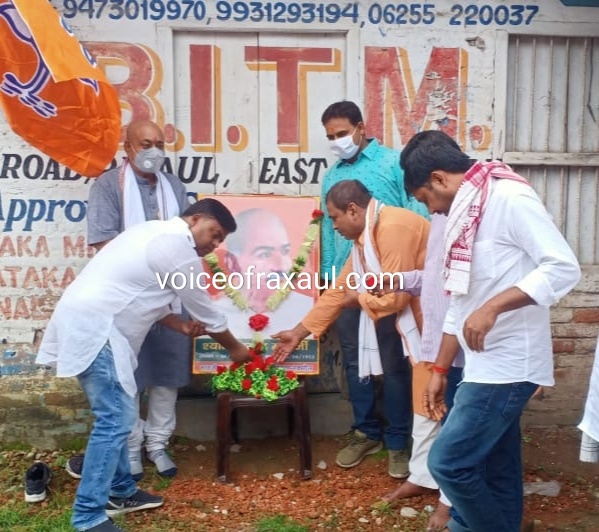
point(257, 260)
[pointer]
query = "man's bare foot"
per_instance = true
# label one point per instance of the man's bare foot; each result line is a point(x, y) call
point(438, 521)
point(405, 491)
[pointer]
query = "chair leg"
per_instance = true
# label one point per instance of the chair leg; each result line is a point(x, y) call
point(223, 435)
point(303, 432)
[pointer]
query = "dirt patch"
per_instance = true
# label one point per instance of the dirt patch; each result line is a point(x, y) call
point(336, 499)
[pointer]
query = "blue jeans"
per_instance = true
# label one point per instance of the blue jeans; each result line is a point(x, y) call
point(106, 469)
point(454, 377)
point(397, 382)
point(476, 458)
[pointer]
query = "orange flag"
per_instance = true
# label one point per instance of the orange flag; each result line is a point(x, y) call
point(51, 90)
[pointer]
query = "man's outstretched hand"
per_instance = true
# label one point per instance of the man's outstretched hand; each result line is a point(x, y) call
point(240, 354)
point(288, 342)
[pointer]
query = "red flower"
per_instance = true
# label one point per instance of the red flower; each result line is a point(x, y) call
point(249, 368)
point(370, 282)
point(259, 348)
point(258, 321)
point(290, 375)
point(234, 366)
point(221, 369)
point(317, 213)
point(273, 384)
point(258, 363)
point(246, 384)
point(270, 360)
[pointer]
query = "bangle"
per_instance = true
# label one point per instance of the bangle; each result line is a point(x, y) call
point(440, 370)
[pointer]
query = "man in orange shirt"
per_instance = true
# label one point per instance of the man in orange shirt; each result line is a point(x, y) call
point(385, 239)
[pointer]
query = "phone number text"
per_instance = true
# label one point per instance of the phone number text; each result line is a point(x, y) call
point(302, 12)
point(136, 9)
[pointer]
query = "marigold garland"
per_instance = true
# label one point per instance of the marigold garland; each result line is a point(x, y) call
point(299, 263)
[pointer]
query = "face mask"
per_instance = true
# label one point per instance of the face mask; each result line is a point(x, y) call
point(150, 160)
point(344, 148)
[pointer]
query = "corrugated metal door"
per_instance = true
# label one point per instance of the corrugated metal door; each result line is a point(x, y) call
point(552, 130)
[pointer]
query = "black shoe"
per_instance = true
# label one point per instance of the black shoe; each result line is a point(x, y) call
point(75, 465)
point(140, 500)
point(37, 479)
point(106, 526)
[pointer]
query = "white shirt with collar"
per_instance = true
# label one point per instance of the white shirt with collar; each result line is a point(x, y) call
point(517, 244)
point(117, 297)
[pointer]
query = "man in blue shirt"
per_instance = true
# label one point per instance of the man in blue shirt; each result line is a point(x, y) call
point(377, 168)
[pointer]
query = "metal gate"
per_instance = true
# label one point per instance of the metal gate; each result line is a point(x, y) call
point(551, 133)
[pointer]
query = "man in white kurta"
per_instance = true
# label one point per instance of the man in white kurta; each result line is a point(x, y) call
point(97, 329)
point(505, 264)
point(589, 447)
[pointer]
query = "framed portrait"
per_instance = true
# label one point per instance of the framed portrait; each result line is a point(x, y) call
point(264, 277)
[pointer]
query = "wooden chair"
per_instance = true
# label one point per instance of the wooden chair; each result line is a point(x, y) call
point(227, 404)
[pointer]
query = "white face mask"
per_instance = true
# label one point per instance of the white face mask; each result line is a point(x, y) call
point(344, 148)
point(150, 160)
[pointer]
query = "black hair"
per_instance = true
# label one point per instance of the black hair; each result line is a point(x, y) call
point(428, 151)
point(214, 209)
point(346, 192)
point(343, 109)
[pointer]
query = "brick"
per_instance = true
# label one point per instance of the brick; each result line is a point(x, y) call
point(580, 299)
point(590, 279)
point(561, 315)
point(585, 345)
point(571, 360)
point(64, 399)
point(575, 330)
point(563, 346)
point(586, 315)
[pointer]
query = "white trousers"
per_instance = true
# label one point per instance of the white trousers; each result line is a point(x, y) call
point(161, 420)
point(424, 432)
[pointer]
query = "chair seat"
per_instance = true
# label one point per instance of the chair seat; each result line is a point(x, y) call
point(228, 402)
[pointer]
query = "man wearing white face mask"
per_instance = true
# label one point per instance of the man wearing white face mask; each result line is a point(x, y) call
point(377, 168)
point(135, 192)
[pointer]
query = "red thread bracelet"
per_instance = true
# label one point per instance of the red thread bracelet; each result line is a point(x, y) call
point(440, 370)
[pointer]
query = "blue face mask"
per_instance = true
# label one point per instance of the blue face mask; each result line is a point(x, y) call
point(150, 160)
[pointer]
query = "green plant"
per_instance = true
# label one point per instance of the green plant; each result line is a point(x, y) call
point(75, 444)
point(279, 523)
point(162, 483)
point(15, 446)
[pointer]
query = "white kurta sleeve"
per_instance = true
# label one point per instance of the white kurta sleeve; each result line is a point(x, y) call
point(177, 266)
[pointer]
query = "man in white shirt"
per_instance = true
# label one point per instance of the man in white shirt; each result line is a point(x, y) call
point(505, 264)
point(136, 192)
point(98, 327)
point(589, 446)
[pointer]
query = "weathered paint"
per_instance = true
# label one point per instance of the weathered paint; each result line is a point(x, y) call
point(240, 102)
